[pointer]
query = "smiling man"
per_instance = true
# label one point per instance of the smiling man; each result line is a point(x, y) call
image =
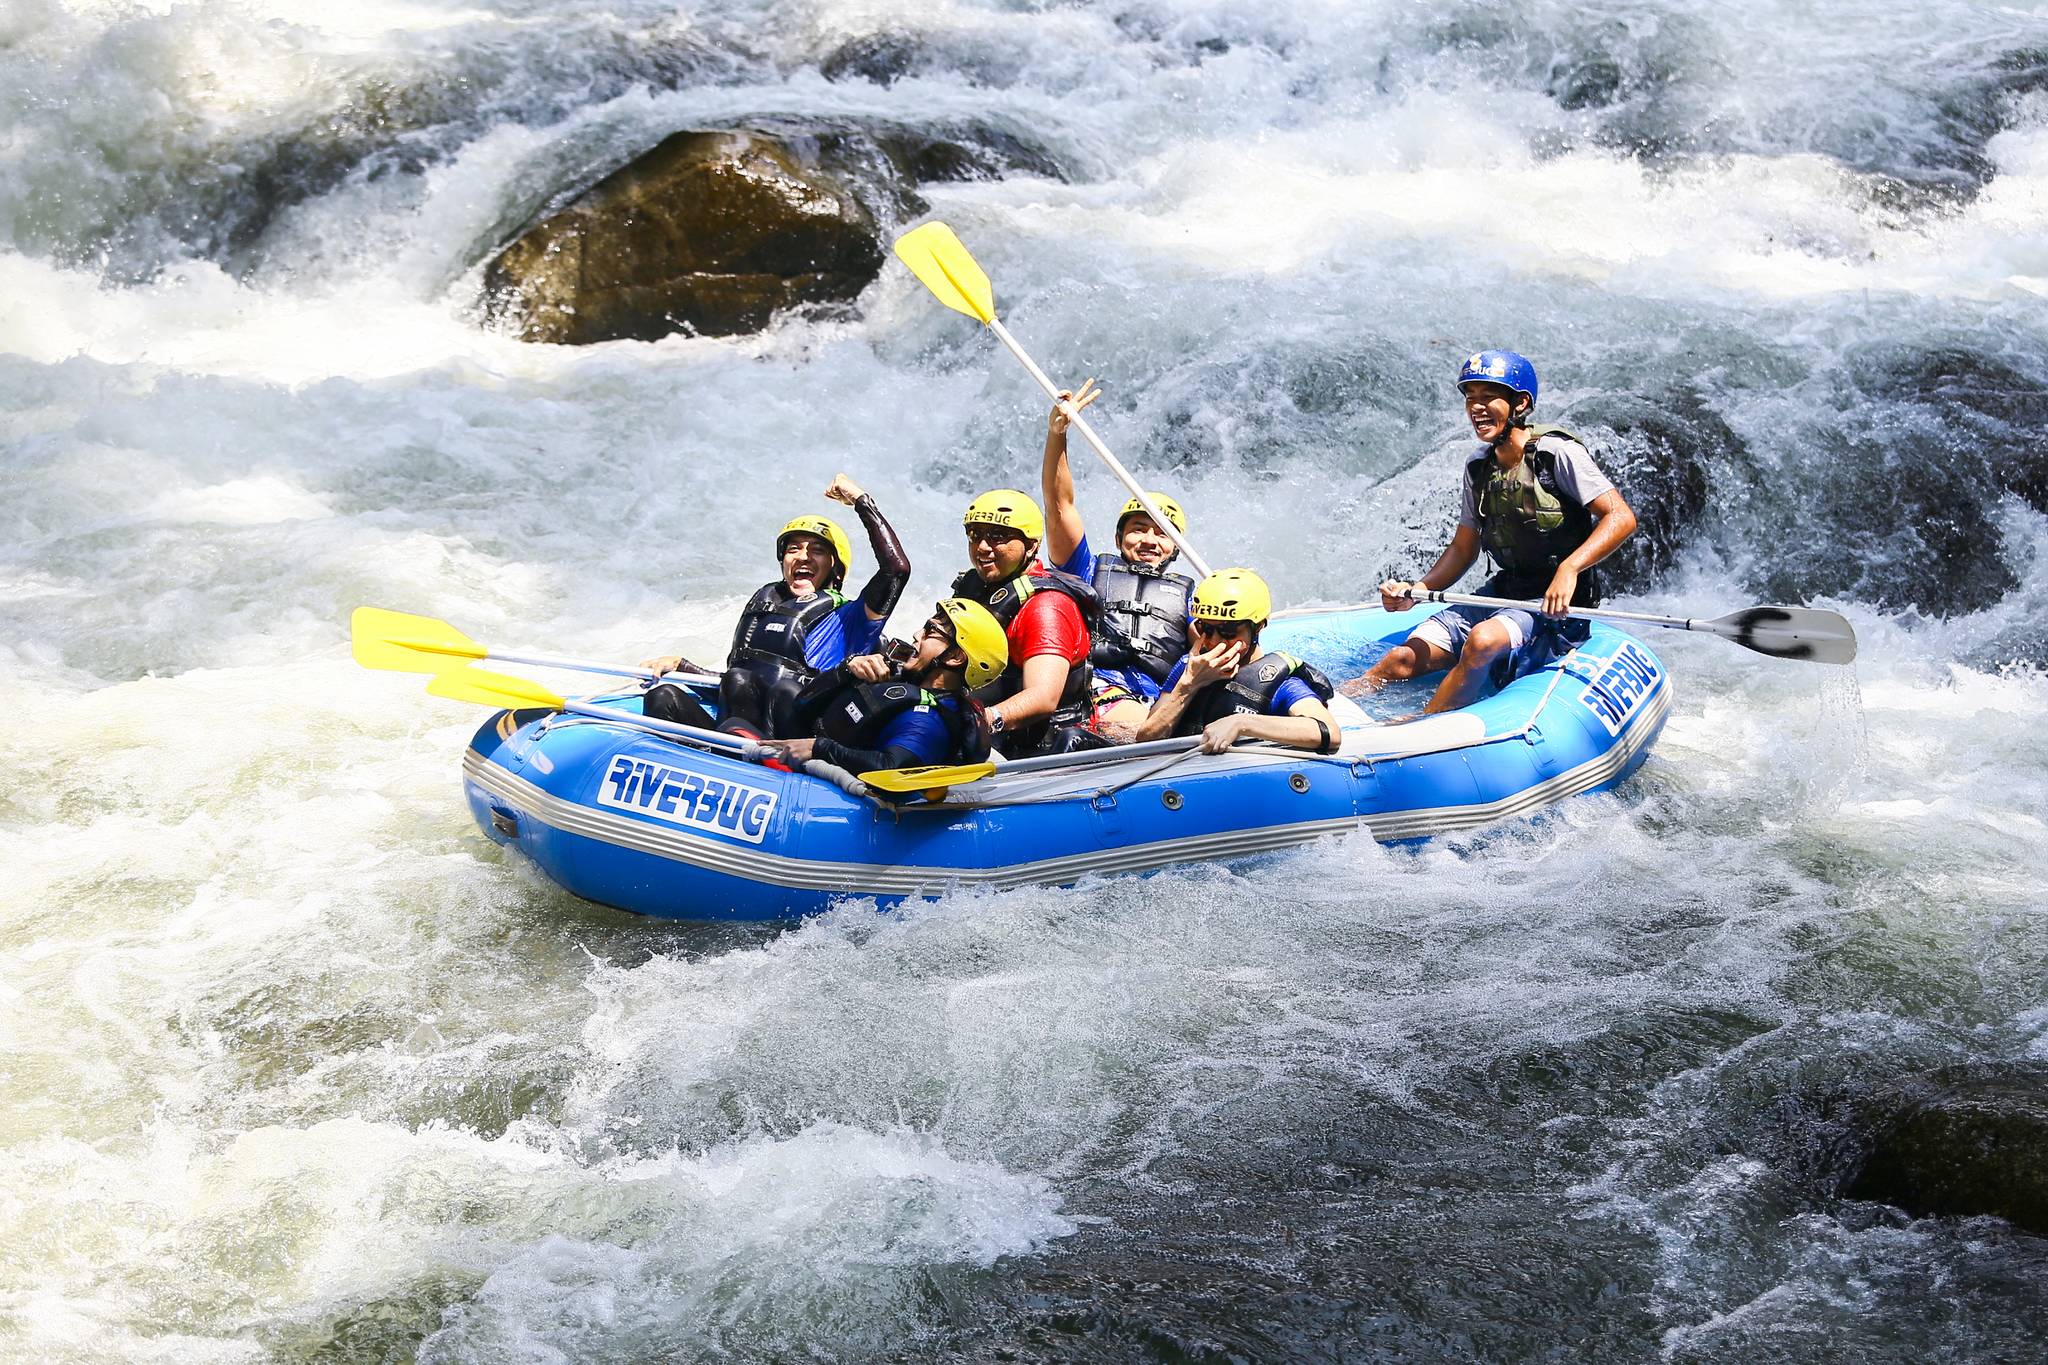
point(1226, 690)
point(798, 626)
point(1143, 629)
point(1536, 502)
point(1042, 702)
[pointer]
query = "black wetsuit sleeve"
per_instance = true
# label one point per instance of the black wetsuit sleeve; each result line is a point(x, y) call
point(892, 565)
point(816, 696)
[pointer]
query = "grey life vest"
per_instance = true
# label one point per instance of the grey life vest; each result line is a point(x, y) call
point(1144, 617)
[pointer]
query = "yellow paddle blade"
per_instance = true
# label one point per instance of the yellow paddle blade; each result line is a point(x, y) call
point(404, 643)
point(936, 256)
point(493, 689)
point(926, 779)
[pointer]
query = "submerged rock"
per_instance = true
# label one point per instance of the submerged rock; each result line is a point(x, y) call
point(1661, 455)
point(1962, 1143)
point(710, 232)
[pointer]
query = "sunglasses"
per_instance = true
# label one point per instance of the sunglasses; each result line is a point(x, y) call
point(1223, 630)
point(992, 535)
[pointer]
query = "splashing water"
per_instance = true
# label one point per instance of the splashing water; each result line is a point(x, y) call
point(300, 1064)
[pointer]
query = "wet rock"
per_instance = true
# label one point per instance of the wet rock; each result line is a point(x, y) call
point(716, 230)
point(883, 58)
point(1663, 456)
point(1962, 1143)
point(1985, 407)
point(710, 232)
point(1892, 522)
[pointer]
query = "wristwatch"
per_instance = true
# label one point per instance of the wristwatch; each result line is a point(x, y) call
point(995, 723)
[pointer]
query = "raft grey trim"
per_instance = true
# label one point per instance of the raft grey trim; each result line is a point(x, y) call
point(852, 878)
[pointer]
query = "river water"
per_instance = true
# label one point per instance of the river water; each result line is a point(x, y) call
point(298, 1065)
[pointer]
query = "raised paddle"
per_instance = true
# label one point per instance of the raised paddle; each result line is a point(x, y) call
point(400, 642)
point(936, 257)
point(1823, 637)
point(465, 682)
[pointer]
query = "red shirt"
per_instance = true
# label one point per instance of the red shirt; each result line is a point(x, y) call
point(1048, 623)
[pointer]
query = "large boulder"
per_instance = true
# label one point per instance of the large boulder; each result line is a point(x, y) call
point(1960, 1143)
point(1663, 455)
point(710, 232)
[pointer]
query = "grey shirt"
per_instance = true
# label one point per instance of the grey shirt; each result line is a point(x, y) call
point(1577, 477)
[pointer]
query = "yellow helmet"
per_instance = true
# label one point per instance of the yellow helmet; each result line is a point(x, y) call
point(827, 530)
point(1164, 503)
point(981, 636)
point(1233, 595)
point(1007, 507)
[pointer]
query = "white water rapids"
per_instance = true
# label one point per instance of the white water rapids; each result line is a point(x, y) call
point(298, 1064)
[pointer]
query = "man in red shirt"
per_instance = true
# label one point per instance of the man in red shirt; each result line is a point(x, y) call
point(1041, 704)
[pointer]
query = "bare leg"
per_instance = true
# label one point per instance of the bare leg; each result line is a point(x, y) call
point(1410, 659)
point(1118, 722)
point(1487, 642)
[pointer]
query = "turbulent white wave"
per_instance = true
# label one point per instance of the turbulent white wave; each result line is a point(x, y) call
point(297, 1061)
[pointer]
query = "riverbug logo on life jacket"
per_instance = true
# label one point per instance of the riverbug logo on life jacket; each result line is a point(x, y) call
point(775, 626)
point(1527, 522)
point(677, 796)
point(1620, 687)
point(1250, 691)
point(1144, 621)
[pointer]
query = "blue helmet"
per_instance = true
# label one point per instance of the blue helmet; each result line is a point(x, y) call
point(1504, 368)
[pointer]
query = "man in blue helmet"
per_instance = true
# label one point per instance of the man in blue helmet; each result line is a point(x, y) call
point(1535, 501)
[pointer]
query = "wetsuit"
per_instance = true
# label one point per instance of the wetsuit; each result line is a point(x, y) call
point(783, 642)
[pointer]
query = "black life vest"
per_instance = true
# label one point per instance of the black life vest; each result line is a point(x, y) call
point(1144, 617)
point(1004, 600)
point(774, 627)
point(1527, 522)
point(1250, 691)
point(858, 713)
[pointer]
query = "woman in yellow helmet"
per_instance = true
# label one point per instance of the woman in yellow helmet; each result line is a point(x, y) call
point(1143, 632)
point(1225, 690)
point(871, 714)
point(797, 627)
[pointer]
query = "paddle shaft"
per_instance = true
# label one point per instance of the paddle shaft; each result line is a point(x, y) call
point(1468, 600)
point(592, 666)
point(1080, 424)
point(1590, 613)
point(716, 738)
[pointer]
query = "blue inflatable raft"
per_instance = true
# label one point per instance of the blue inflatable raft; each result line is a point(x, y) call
point(660, 826)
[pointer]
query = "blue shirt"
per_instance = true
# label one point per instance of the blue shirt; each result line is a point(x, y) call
point(1081, 564)
point(921, 730)
point(1290, 690)
point(845, 633)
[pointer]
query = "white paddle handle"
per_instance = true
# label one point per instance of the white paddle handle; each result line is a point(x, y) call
point(1116, 467)
point(592, 666)
point(1466, 599)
